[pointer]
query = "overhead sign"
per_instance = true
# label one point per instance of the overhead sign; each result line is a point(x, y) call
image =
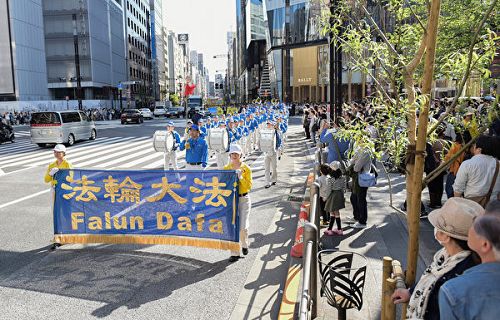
point(191, 208)
point(183, 38)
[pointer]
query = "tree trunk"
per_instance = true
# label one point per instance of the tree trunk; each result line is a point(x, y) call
point(418, 170)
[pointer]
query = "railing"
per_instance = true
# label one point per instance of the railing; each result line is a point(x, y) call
point(309, 297)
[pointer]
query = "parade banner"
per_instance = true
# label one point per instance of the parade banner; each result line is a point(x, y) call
point(191, 208)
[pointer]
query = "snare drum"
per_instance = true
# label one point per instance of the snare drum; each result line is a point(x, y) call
point(163, 141)
point(268, 140)
point(218, 139)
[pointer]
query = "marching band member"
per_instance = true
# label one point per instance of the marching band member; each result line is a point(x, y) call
point(202, 128)
point(221, 157)
point(247, 148)
point(283, 127)
point(170, 157)
point(196, 150)
point(244, 204)
point(271, 159)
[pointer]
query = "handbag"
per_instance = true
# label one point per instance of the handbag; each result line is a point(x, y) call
point(483, 200)
point(368, 179)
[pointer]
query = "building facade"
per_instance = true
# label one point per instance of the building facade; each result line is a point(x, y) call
point(157, 48)
point(137, 26)
point(98, 26)
point(22, 51)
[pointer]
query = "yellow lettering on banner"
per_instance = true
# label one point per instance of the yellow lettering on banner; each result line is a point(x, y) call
point(95, 223)
point(139, 221)
point(160, 216)
point(199, 221)
point(215, 226)
point(107, 220)
point(184, 224)
point(76, 218)
point(122, 225)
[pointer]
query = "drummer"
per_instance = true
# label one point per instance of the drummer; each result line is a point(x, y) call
point(170, 157)
point(271, 159)
point(221, 156)
point(244, 132)
point(196, 150)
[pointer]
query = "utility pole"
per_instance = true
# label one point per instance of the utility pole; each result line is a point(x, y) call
point(77, 65)
point(335, 67)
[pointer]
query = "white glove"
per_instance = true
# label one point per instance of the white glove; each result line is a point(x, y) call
point(239, 173)
point(53, 171)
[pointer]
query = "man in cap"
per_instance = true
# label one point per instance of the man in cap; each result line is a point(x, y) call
point(196, 150)
point(170, 157)
point(244, 204)
point(59, 163)
point(271, 159)
point(202, 128)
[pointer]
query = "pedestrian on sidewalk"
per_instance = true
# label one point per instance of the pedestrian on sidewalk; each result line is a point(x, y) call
point(451, 224)
point(244, 203)
point(476, 293)
point(336, 200)
point(361, 162)
point(324, 191)
point(53, 168)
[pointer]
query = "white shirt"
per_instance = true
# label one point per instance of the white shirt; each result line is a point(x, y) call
point(474, 177)
point(324, 188)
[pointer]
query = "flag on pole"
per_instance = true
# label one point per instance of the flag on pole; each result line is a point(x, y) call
point(189, 89)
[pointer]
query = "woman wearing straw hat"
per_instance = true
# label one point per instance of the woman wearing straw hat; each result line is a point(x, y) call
point(451, 225)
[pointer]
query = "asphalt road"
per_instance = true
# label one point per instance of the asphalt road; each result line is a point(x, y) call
point(119, 281)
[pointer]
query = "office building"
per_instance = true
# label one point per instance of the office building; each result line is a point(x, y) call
point(157, 47)
point(99, 28)
point(22, 66)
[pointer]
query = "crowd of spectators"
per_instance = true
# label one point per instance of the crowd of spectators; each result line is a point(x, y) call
point(462, 280)
point(24, 117)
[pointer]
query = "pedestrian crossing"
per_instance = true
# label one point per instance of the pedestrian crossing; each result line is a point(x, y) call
point(103, 153)
point(23, 133)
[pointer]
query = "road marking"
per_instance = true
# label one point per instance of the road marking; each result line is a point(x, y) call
point(23, 198)
point(15, 171)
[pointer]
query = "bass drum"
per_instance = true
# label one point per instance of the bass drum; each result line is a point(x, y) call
point(268, 140)
point(218, 139)
point(163, 141)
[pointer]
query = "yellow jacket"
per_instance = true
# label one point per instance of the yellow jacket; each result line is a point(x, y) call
point(64, 165)
point(245, 183)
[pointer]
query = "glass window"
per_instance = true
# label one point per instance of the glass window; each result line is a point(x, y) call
point(45, 118)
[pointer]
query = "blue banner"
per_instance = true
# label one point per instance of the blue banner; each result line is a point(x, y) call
point(194, 208)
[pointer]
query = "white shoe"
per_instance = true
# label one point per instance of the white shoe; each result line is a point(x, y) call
point(358, 225)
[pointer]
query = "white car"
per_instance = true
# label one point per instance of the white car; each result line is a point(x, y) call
point(160, 111)
point(146, 113)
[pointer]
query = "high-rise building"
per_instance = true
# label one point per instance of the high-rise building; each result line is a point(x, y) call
point(157, 48)
point(22, 66)
point(98, 26)
point(200, 62)
point(137, 19)
point(165, 87)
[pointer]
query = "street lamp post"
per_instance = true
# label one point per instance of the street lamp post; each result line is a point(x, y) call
point(77, 65)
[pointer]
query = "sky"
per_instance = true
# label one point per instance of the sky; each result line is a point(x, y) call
point(207, 23)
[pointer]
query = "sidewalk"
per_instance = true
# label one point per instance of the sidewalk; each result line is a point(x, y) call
point(386, 235)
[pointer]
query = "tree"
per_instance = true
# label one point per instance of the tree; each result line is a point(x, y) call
point(174, 98)
point(395, 46)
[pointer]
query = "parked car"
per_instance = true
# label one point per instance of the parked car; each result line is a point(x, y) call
point(159, 111)
point(146, 113)
point(131, 115)
point(52, 127)
point(171, 112)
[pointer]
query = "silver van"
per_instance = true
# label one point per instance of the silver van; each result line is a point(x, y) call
point(51, 127)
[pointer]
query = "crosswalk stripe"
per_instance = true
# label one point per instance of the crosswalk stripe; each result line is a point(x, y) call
point(44, 154)
point(94, 151)
point(142, 160)
point(48, 154)
point(16, 148)
point(113, 153)
point(37, 150)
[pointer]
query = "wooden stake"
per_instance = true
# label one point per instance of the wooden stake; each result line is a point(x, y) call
point(389, 306)
point(418, 170)
point(386, 273)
